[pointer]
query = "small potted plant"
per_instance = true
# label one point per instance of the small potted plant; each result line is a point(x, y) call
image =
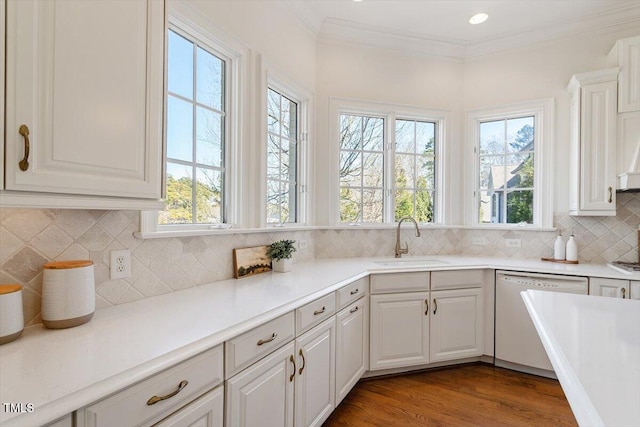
point(281, 253)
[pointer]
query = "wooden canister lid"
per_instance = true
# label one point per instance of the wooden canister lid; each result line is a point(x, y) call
point(62, 265)
point(7, 289)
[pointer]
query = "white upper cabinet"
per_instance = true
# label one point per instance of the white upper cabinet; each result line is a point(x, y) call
point(593, 143)
point(84, 97)
point(626, 55)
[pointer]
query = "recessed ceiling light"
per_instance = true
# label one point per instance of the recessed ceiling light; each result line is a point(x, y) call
point(478, 18)
point(357, 1)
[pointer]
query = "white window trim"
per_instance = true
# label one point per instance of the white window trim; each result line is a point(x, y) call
point(390, 112)
point(187, 20)
point(304, 99)
point(543, 112)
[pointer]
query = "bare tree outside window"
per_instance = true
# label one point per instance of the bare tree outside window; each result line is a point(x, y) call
point(282, 164)
point(195, 140)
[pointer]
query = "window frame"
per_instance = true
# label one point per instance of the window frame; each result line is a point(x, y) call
point(543, 113)
point(390, 113)
point(186, 22)
point(304, 100)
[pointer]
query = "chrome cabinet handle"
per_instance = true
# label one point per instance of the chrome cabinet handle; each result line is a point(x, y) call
point(426, 311)
point(624, 293)
point(610, 195)
point(304, 362)
point(315, 313)
point(273, 337)
point(435, 306)
point(156, 399)
point(292, 360)
point(353, 310)
point(355, 292)
point(24, 163)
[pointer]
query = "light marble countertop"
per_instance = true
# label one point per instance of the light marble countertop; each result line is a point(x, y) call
point(594, 346)
point(59, 371)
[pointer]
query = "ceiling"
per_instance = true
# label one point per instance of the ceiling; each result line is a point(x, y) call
point(441, 27)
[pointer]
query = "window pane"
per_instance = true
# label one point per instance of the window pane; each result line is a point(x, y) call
point(405, 171)
point(350, 204)
point(179, 186)
point(210, 77)
point(350, 169)
point(491, 208)
point(208, 137)
point(179, 129)
point(290, 163)
point(492, 137)
point(273, 112)
point(350, 132)
point(520, 207)
point(426, 173)
point(520, 134)
point(180, 65)
point(208, 196)
point(424, 206)
point(425, 137)
point(371, 205)
point(372, 168)
point(405, 136)
point(286, 206)
point(273, 202)
point(289, 118)
point(372, 133)
point(404, 202)
point(520, 171)
point(273, 157)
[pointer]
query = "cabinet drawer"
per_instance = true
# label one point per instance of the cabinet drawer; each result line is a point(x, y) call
point(457, 279)
point(399, 282)
point(347, 294)
point(130, 407)
point(315, 312)
point(245, 349)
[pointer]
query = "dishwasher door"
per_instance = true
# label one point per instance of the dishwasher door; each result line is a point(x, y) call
point(518, 345)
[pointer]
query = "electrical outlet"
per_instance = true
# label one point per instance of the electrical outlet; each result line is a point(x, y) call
point(120, 264)
point(482, 241)
point(302, 244)
point(513, 243)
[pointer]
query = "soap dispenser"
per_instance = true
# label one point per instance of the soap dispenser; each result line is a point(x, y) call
point(572, 249)
point(558, 248)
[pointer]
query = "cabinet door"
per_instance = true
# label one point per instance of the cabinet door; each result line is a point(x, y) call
point(614, 288)
point(315, 380)
point(457, 324)
point(352, 347)
point(262, 394)
point(598, 149)
point(399, 330)
point(206, 411)
point(634, 290)
point(629, 62)
point(86, 79)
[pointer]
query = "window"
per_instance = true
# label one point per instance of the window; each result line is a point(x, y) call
point(512, 164)
point(195, 133)
point(388, 164)
point(282, 158)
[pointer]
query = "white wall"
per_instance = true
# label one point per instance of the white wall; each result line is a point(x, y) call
point(538, 72)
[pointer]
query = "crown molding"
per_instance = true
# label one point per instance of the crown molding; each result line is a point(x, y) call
point(626, 18)
point(306, 14)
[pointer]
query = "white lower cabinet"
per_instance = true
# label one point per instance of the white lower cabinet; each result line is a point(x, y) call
point(315, 377)
point(399, 330)
point(614, 288)
point(457, 324)
point(352, 347)
point(262, 394)
point(206, 411)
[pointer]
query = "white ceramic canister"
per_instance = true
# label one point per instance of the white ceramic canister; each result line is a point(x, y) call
point(11, 318)
point(68, 293)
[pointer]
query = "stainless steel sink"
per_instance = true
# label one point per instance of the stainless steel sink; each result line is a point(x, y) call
point(411, 262)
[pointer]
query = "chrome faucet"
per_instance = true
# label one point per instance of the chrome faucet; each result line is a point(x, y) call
point(400, 250)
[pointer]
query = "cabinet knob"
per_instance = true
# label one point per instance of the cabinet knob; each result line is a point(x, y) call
point(315, 313)
point(610, 194)
point(273, 337)
point(293, 361)
point(624, 293)
point(435, 306)
point(304, 362)
point(426, 311)
point(24, 163)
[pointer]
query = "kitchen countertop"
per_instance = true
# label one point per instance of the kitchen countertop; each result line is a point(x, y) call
point(602, 388)
point(59, 371)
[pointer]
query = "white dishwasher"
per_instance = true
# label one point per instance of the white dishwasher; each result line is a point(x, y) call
point(517, 345)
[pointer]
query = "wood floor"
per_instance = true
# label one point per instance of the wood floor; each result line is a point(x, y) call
point(470, 395)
